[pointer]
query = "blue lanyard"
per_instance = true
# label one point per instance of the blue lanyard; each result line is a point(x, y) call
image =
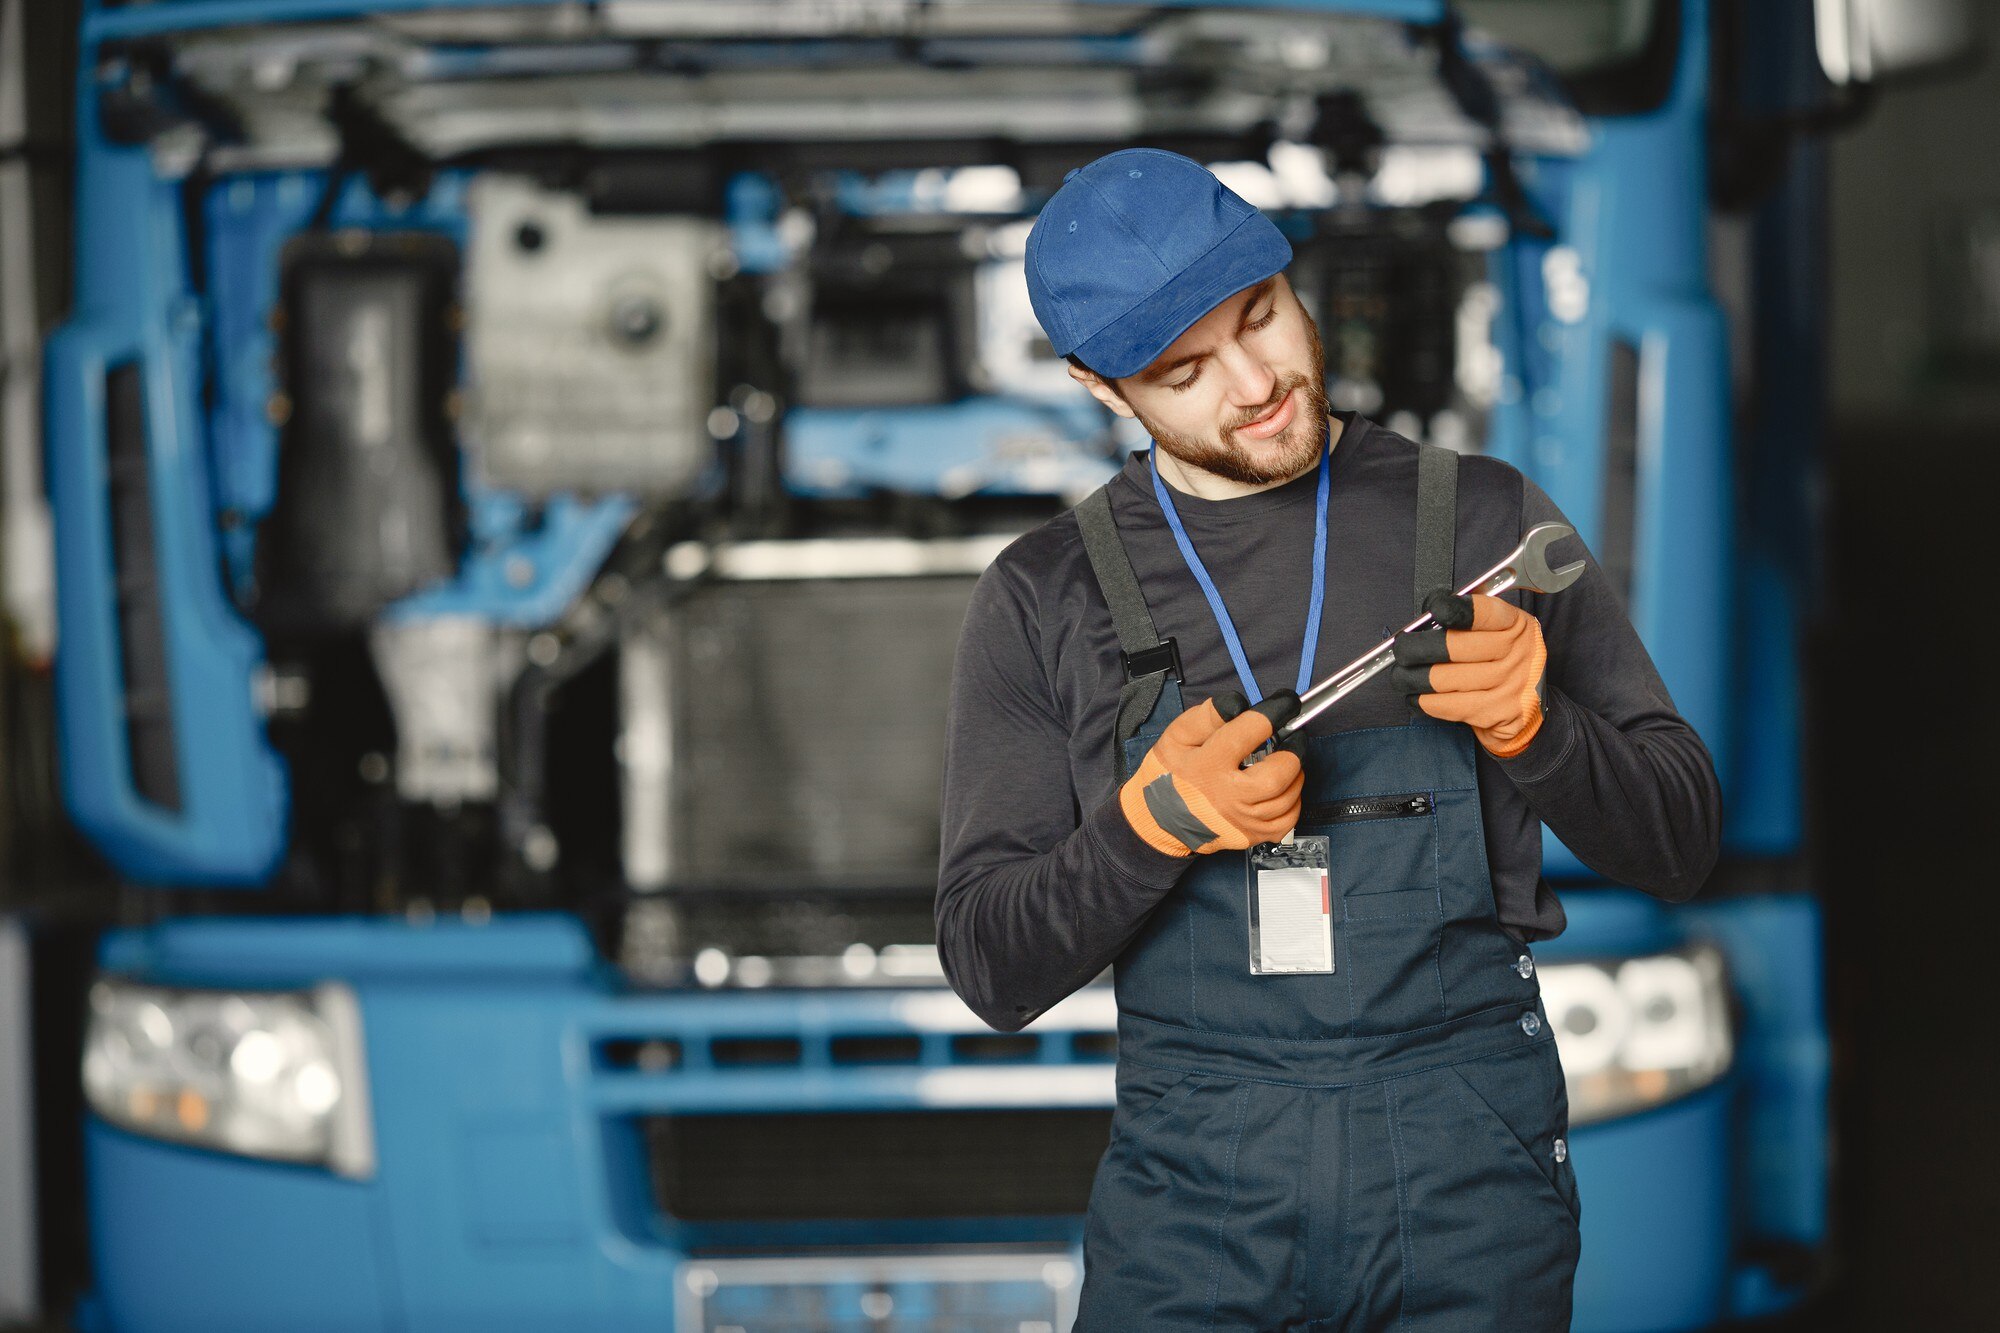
point(1222, 620)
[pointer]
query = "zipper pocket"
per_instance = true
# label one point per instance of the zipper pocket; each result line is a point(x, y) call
point(1412, 805)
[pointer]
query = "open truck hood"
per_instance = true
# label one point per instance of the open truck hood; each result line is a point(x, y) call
point(650, 108)
point(921, 84)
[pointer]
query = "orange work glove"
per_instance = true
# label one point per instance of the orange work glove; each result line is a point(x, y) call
point(1192, 792)
point(1484, 668)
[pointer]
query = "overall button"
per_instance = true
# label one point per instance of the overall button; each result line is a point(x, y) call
point(1562, 1150)
point(1531, 1022)
point(1525, 966)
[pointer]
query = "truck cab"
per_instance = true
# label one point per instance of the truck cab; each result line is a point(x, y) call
point(517, 471)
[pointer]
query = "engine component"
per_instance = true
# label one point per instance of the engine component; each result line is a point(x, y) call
point(443, 676)
point(367, 505)
point(1014, 352)
point(591, 342)
point(1385, 288)
point(784, 723)
point(891, 320)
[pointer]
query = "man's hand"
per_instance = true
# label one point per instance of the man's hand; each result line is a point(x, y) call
point(1484, 669)
point(1192, 793)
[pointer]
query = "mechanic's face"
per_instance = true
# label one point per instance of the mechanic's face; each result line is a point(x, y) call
point(1241, 394)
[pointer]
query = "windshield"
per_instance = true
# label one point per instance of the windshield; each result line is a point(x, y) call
point(1570, 36)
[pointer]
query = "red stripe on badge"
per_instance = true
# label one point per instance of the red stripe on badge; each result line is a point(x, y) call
point(1325, 896)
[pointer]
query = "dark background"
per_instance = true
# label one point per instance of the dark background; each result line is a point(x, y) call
point(1904, 726)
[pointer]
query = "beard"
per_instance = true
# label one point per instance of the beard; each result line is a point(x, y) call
point(1293, 450)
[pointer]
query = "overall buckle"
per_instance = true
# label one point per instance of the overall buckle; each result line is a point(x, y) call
point(1162, 656)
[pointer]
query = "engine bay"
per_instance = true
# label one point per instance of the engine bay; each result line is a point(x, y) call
point(609, 409)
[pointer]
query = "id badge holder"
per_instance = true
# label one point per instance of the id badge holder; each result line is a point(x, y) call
point(1291, 909)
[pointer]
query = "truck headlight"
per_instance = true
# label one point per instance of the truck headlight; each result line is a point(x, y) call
point(1640, 1032)
point(276, 1075)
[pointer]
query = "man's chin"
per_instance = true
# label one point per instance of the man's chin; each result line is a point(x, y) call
point(1284, 455)
point(1255, 462)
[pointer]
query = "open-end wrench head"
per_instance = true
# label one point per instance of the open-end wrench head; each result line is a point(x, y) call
point(1533, 566)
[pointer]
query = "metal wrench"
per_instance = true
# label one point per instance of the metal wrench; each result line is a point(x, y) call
point(1526, 567)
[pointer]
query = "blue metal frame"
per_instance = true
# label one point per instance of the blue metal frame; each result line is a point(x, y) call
point(512, 1187)
point(512, 1191)
point(987, 445)
point(1624, 209)
point(133, 305)
point(1783, 1134)
point(1723, 622)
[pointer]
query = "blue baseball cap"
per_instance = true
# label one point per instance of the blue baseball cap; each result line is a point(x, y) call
point(1134, 248)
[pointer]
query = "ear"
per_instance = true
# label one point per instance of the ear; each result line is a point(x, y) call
point(1102, 390)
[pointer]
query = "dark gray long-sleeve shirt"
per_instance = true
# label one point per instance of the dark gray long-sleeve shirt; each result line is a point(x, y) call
point(1043, 883)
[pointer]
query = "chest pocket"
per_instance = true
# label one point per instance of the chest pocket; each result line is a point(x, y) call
point(1383, 861)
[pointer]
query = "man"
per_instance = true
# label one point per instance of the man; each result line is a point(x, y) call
point(1339, 1102)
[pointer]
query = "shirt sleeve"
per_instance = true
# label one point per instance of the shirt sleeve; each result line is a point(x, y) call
point(1615, 770)
point(1036, 896)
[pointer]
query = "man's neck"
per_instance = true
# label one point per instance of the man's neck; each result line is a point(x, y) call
point(1205, 485)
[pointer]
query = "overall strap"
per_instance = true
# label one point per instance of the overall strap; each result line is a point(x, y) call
point(1147, 658)
point(1437, 519)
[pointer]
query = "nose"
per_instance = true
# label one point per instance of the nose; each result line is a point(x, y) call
point(1251, 381)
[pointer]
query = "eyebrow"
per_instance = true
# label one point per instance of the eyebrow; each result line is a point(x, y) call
point(1257, 293)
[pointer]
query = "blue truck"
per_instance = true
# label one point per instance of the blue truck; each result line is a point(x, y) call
point(516, 473)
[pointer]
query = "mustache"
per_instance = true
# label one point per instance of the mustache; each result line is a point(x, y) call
point(1272, 406)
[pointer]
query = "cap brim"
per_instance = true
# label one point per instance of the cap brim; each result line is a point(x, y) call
point(1127, 345)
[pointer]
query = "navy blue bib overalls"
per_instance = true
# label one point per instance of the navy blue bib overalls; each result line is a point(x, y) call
point(1379, 1147)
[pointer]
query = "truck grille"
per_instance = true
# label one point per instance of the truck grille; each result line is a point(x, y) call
point(875, 1164)
point(793, 691)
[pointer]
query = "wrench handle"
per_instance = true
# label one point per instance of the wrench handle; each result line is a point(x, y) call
point(1379, 658)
